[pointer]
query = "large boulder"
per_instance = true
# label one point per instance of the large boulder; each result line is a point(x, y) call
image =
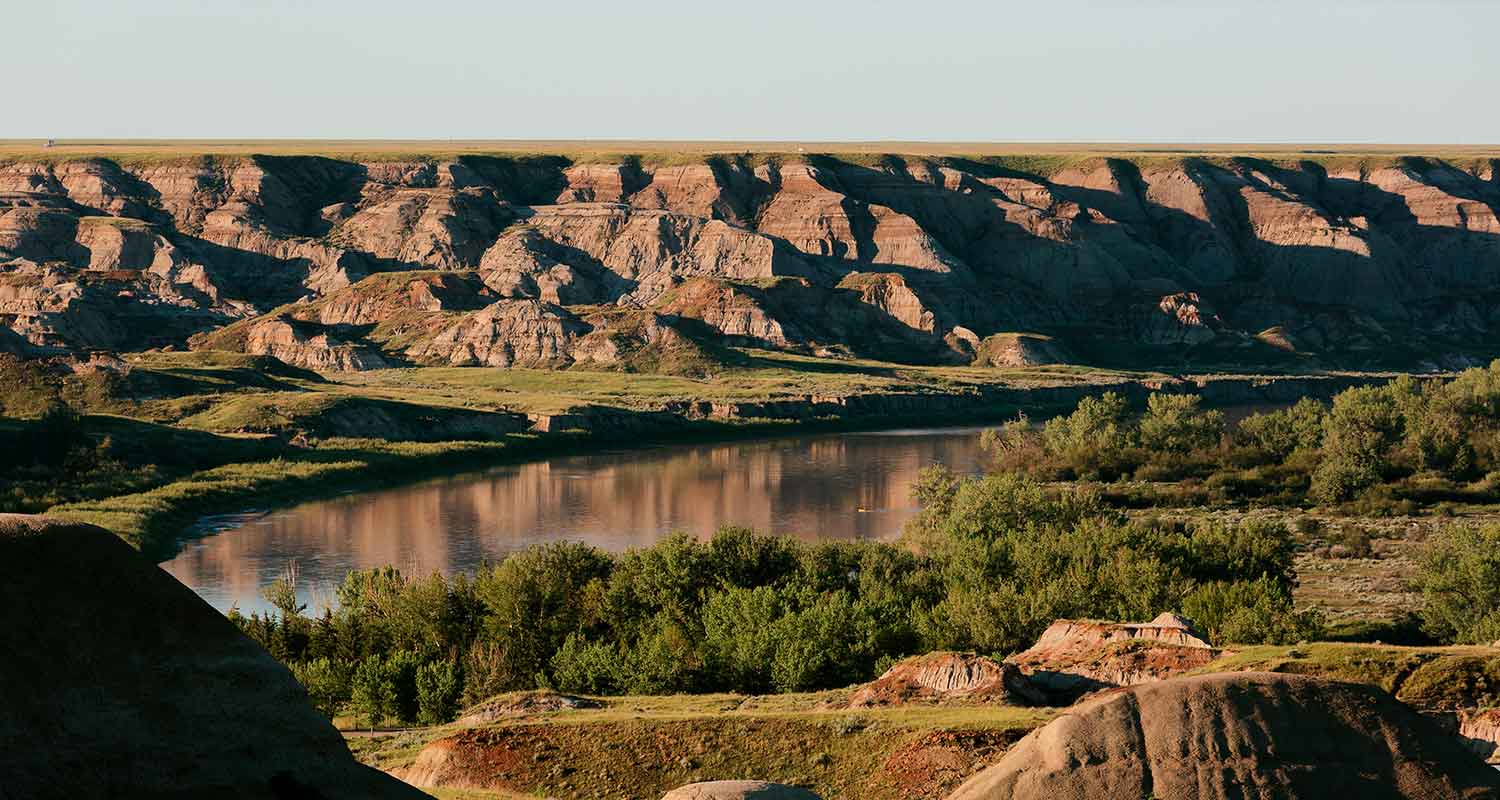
point(1247, 736)
point(738, 790)
point(119, 682)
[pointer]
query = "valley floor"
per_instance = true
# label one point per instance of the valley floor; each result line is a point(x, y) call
point(197, 433)
point(643, 746)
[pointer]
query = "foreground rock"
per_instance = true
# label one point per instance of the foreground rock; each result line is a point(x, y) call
point(1248, 736)
point(738, 790)
point(1074, 657)
point(119, 682)
point(948, 677)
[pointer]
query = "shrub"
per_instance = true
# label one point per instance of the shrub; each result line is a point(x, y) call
point(1249, 612)
point(1358, 434)
point(1174, 423)
point(1458, 574)
point(585, 666)
point(1090, 440)
point(1283, 432)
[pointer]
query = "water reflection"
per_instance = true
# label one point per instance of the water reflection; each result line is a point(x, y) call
point(842, 486)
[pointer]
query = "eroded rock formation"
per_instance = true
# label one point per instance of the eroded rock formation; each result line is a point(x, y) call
point(1352, 261)
point(1247, 736)
point(1073, 657)
point(947, 677)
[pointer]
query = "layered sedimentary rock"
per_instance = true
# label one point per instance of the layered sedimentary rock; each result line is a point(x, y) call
point(947, 677)
point(1249, 736)
point(1391, 261)
point(1073, 657)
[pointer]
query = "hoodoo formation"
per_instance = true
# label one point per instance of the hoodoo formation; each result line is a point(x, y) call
point(550, 261)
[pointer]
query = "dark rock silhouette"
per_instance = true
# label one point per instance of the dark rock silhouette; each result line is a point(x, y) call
point(119, 682)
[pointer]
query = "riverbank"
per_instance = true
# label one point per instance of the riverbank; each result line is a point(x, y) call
point(264, 438)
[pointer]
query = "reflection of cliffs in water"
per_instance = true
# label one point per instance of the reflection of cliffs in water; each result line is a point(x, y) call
point(836, 487)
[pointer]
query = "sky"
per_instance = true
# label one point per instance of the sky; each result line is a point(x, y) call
point(1345, 71)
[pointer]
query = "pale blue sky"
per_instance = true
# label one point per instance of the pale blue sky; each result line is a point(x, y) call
point(1085, 70)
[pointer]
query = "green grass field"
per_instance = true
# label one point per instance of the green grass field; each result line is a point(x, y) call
point(1043, 158)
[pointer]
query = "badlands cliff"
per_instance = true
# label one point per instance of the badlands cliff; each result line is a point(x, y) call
point(548, 261)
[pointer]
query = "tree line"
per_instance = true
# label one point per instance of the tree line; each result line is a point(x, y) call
point(985, 567)
point(1374, 450)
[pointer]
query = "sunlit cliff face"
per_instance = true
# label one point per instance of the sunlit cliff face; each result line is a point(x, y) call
point(854, 486)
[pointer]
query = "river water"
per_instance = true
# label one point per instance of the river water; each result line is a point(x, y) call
point(825, 486)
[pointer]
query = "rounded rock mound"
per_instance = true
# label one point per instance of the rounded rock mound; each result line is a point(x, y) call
point(947, 677)
point(738, 790)
point(1246, 736)
point(119, 682)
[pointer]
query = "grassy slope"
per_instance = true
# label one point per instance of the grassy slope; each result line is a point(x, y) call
point(643, 746)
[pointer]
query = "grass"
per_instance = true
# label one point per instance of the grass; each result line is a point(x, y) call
point(644, 746)
point(236, 415)
point(261, 434)
point(1043, 159)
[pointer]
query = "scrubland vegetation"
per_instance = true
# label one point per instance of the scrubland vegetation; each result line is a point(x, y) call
point(985, 566)
point(1375, 450)
point(989, 563)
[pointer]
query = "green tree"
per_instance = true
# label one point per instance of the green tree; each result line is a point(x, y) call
point(739, 636)
point(534, 599)
point(1175, 423)
point(372, 692)
point(1358, 434)
point(438, 687)
point(326, 683)
point(1283, 432)
point(1458, 574)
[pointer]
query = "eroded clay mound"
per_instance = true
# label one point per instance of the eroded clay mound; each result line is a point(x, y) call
point(1074, 657)
point(522, 704)
point(1020, 350)
point(738, 790)
point(1246, 736)
point(947, 677)
point(118, 681)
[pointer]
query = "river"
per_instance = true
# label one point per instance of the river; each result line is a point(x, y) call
point(823, 486)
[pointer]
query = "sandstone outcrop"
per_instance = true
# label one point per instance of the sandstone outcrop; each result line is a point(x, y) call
point(1247, 736)
point(1073, 657)
point(120, 682)
point(947, 677)
point(738, 790)
point(1019, 350)
point(1350, 266)
point(1480, 730)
